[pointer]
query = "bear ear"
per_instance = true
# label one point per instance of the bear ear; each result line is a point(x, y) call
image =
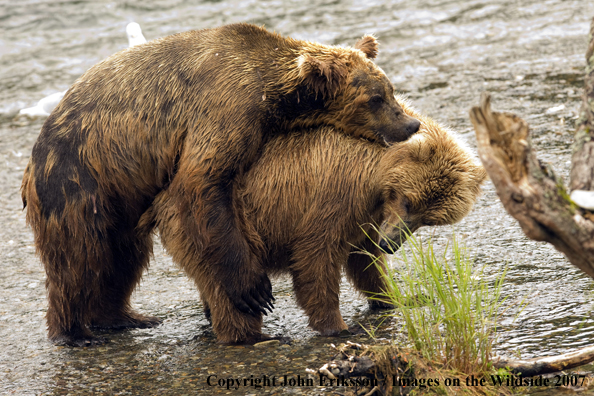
point(369, 45)
point(324, 74)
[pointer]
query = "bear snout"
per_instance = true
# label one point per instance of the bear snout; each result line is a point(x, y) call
point(400, 129)
point(390, 247)
point(413, 127)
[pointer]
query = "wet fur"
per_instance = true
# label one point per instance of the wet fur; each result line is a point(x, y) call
point(187, 113)
point(312, 197)
point(447, 180)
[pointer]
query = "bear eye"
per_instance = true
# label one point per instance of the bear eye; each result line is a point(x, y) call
point(375, 102)
point(405, 204)
point(376, 99)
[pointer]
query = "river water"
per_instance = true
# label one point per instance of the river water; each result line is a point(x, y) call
point(441, 53)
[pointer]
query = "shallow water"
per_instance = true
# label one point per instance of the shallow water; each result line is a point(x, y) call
point(442, 54)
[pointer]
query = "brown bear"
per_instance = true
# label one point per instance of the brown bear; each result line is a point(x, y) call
point(313, 198)
point(188, 113)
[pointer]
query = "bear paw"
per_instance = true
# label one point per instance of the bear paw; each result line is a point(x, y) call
point(132, 320)
point(259, 338)
point(380, 305)
point(254, 299)
point(330, 326)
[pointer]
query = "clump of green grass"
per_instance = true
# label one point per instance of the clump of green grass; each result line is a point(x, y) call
point(449, 308)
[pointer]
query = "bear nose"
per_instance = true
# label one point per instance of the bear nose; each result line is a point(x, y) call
point(413, 127)
point(387, 247)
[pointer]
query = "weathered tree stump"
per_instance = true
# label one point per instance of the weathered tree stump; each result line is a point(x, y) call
point(532, 194)
point(529, 190)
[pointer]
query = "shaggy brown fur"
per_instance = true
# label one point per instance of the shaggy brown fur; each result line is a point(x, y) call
point(443, 170)
point(188, 112)
point(307, 197)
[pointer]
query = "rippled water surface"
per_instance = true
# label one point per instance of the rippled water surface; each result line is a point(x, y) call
point(442, 54)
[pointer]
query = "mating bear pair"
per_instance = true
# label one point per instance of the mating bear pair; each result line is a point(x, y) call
point(314, 199)
point(187, 114)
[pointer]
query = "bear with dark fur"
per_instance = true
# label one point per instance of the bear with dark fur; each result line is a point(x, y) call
point(189, 114)
point(313, 198)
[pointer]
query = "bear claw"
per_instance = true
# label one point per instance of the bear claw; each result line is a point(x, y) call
point(256, 300)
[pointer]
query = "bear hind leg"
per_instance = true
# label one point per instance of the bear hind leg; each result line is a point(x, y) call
point(72, 268)
point(66, 319)
point(112, 309)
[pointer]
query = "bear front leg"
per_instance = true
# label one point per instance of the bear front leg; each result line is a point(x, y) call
point(316, 282)
point(214, 154)
point(364, 269)
point(230, 256)
point(226, 246)
point(229, 324)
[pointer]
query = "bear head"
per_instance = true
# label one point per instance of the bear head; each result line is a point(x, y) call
point(431, 179)
point(358, 96)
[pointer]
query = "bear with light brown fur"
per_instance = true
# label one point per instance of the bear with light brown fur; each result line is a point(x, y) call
point(313, 197)
point(189, 114)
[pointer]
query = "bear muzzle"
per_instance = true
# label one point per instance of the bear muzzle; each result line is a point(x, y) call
point(394, 235)
point(389, 246)
point(413, 126)
point(404, 127)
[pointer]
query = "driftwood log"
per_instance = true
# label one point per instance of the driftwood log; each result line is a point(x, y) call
point(529, 190)
point(548, 364)
point(347, 365)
